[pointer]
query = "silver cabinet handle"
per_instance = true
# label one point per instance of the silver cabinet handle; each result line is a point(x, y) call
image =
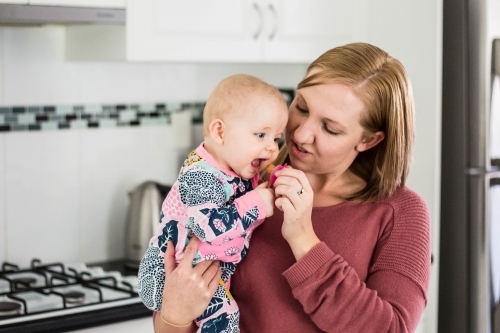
point(275, 20)
point(261, 21)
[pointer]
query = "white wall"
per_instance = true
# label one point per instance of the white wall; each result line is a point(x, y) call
point(63, 194)
point(412, 32)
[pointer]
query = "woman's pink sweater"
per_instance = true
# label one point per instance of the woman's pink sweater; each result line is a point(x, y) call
point(370, 273)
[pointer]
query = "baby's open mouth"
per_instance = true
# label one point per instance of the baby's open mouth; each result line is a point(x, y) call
point(256, 163)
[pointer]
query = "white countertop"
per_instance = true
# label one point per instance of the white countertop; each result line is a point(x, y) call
point(130, 326)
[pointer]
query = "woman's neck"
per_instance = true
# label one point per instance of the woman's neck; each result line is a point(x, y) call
point(332, 189)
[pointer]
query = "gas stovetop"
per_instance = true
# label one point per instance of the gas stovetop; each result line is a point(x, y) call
point(60, 297)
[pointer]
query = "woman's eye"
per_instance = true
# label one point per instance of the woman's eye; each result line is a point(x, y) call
point(301, 110)
point(329, 131)
point(260, 135)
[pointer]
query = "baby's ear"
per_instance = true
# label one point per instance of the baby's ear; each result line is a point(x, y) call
point(216, 130)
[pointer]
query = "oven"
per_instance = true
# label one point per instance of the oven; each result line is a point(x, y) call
point(57, 297)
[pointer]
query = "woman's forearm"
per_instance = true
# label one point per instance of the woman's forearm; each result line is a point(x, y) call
point(161, 326)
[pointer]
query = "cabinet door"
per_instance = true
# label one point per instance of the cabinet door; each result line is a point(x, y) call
point(301, 30)
point(81, 3)
point(194, 30)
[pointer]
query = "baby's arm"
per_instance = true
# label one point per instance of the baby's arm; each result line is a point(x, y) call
point(214, 217)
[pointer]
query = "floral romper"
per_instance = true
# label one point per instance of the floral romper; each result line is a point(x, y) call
point(220, 208)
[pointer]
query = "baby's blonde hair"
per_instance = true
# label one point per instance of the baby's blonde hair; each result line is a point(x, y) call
point(229, 97)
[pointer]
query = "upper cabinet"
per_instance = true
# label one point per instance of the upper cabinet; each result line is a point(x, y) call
point(194, 30)
point(282, 31)
point(301, 30)
point(80, 3)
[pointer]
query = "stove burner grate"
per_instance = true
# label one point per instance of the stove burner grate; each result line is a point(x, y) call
point(74, 297)
point(8, 309)
point(24, 283)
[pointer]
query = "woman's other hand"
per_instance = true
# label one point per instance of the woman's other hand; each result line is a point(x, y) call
point(295, 198)
point(188, 289)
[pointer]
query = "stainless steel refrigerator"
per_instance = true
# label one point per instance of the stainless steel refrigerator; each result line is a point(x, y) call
point(469, 281)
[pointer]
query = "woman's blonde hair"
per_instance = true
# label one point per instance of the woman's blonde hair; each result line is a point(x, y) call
point(383, 85)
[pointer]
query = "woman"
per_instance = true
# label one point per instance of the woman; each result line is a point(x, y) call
point(348, 249)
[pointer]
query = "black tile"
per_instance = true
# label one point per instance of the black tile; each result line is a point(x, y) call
point(70, 117)
point(4, 128)
point(161, 106)
point(93, 124)
point(185, 106)
point(86, 116)
point(114, 116)
point(141, 114)
point(154, 114)
point(34, 127)
point(49, 109)
point(63, 125)
point(121, 107)
point(18, 109)
point(134, 123)
point(41, 117)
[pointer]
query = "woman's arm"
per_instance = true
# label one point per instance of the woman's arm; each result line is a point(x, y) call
point(330, 291)
point(332, 294)
point(187, 290)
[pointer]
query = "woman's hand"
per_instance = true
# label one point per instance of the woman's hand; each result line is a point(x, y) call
point(295, 198)
point(188, 289)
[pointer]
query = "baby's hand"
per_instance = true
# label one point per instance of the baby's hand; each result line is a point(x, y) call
point(267, 196)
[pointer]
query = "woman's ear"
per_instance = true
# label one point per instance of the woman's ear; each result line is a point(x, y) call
point(370, 142)
point(216, 130)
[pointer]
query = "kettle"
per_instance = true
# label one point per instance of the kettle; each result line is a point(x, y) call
point(143, 217)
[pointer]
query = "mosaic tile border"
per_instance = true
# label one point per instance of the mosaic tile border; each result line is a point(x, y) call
point(62, 117)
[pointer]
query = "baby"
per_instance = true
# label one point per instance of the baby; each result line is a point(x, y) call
point(217, 197)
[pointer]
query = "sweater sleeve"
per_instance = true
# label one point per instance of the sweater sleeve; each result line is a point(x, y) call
point(393, 296)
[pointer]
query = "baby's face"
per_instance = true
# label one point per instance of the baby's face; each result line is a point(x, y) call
point(251, 141)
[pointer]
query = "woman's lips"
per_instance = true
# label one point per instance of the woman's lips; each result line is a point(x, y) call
point(299, 152)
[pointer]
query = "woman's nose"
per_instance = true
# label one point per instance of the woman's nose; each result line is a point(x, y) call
point(304, 133)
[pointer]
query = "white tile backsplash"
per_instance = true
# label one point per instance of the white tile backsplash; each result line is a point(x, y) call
point(3, 225)
point(42, 187)
point(113, 162)
point(34, 68)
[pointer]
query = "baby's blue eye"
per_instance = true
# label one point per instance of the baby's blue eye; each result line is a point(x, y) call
point(260, 135)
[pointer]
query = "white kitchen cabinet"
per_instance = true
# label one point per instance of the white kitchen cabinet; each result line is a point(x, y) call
point(193, 30)
point(301, 30)
point(259, 31)
point(22, 2)
point(241, 31)
point(80, 3)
